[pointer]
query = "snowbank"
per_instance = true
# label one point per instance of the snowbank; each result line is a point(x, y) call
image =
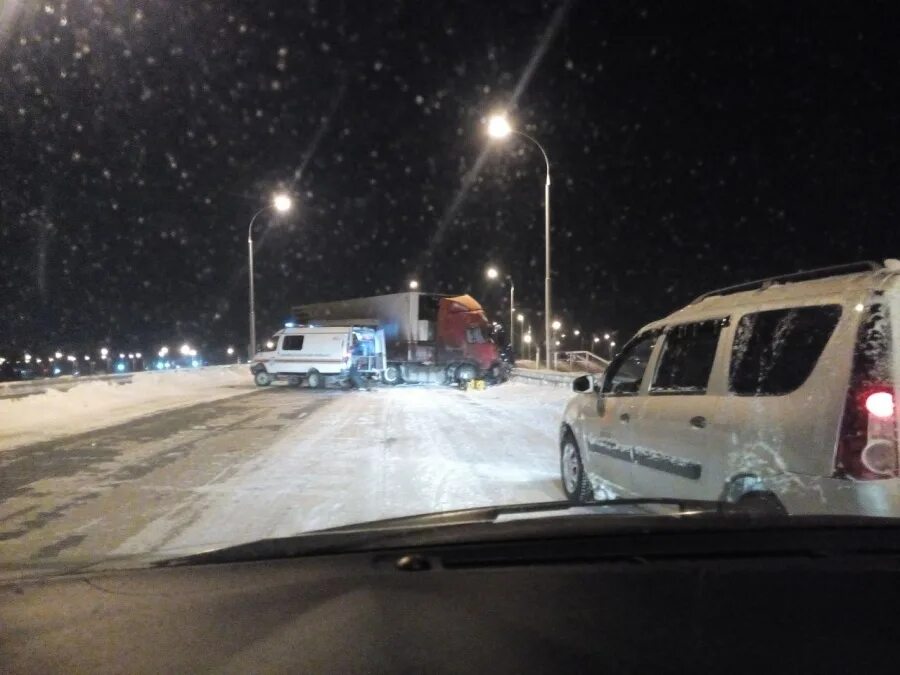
point(98, 404)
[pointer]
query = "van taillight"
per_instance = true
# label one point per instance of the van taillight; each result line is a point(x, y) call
point(880, 404)
point(867, 447)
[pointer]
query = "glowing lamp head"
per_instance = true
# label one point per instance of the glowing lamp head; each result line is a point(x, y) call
point(413, 285)
point(492, 273)
point(556, 325)
point(498, 127)
point(282, 203)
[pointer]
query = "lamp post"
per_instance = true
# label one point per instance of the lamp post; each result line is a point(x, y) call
point(493, 274)
point(500, 128)
point(282, 203)
point(521, 319)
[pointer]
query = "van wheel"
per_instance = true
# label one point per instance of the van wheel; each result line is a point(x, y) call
point(314, 379)
point(761, 504)
point(262, 379)
point(575, 483)
point(391, 375)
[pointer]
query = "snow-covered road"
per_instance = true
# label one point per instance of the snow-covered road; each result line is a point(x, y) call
point(275, 463)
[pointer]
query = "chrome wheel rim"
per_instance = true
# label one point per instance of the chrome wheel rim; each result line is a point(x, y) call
point(570, 468)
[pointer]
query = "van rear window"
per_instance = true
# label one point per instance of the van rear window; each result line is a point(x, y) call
point(774, 352)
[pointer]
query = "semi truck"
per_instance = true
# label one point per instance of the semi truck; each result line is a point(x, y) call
point(428, 337)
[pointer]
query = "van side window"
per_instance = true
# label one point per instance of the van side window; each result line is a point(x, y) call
point(775, 351)
point(292, 343)
point(686, 359)
point(625, 373)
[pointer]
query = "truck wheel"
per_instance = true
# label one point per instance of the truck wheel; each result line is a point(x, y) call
point(466, 372)
point(262, 379)
point(451, 373)
point(314, 379)
point(391, 375)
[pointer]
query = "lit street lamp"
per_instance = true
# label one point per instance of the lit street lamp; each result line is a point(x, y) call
point(556, 325)
point(499, 128)
point(413, 285)
point(493, 274)
point(282, 203)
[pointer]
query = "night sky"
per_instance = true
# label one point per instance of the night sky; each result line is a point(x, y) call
point(692, 146)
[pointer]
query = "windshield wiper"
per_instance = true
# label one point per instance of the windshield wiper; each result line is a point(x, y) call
point(405, 530)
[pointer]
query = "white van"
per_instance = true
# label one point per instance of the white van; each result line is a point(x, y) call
point(778, 394)
point(318, 355)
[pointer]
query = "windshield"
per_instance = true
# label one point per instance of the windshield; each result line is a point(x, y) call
point(564, 236)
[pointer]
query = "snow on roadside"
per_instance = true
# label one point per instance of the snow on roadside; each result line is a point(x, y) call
point(99, 404)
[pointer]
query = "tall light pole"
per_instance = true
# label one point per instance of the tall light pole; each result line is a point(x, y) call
point(282, 204)
point(500, 128)
point(521, 319)
point(493, 274)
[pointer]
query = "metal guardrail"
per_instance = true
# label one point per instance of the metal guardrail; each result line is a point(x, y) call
point(548, 377)
point(586, 359)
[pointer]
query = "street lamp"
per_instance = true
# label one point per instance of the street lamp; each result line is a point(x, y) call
point(556, 325)
point(282, 203)
point(499, 128)
point(413, 285)
point(493, 274)
point(606, 336)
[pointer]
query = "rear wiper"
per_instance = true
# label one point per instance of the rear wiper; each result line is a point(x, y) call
point(398, 531)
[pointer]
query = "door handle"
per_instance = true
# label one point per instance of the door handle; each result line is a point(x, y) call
point(699, 422)
point(625, 417)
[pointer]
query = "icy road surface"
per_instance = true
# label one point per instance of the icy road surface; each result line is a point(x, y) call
point(274, 463)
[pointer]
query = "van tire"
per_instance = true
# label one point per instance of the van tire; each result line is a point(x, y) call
point(575, 482)
point(314, 379)
point(391, 374)
point(761, 504)
point(262, 378)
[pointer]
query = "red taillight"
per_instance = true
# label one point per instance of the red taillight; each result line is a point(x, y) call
point(867, 447)
point(880, 404)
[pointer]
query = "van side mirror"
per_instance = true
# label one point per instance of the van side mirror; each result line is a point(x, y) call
point(582, 384)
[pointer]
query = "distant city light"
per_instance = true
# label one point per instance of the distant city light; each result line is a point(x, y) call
point(576, 332)
point(120, 367)
point(185, 349)
point(58, 355)
point(103, 352)
point(230, 351)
